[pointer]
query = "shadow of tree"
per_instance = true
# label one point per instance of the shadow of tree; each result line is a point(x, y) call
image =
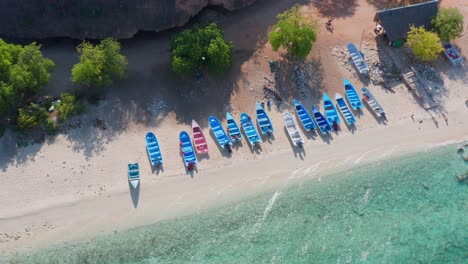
point(387, 4)
point(336, 8)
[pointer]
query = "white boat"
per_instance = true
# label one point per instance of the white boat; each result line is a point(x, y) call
point(453, 55)
point(372, 102)
point(293, 131)
point(134, 174)
point(357, 58)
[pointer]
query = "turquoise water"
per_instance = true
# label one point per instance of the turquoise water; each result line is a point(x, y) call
point(405, 210)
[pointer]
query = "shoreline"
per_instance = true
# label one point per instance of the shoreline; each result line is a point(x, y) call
point(175, 197)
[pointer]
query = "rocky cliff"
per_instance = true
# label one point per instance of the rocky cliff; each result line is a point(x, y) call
point(97, 19)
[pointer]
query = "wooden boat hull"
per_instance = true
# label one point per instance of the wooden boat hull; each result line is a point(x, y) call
point(221, 136)
point(293, 130)
point(186, 148)
point(199, 139)
point(344, 109)
point(321, 121)
point(357, 58)
point(330, 110)
point(249, 129)
point(134, 174)
point(352, 95)
point(304, 117)
point(263, 120)
point(153, 149)
point(369, 98)
point(233, 129)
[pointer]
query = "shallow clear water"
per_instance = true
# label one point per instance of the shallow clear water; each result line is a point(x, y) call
point(405, 210)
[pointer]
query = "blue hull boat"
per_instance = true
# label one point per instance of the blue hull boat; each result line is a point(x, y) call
point(304, 116)
point(330, 111)
point(344, 109)
point(321, 121)
point(218, 130)
point(249, 130)
point(152, 147)
point(233, 129)
point(263, 120)
point(187, 150)
point(352, 96)
point(134, 174)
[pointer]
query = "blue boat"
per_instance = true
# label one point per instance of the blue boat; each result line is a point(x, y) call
point(187, 150)
point(233, 129)
point(152, 147)
point(321, 121)
point(304, 116)
point(249, 130)
point(218, 130)
point(352, 96)
point(330, 111)
point(263, 120)
point(134, 174)
point(344, 109)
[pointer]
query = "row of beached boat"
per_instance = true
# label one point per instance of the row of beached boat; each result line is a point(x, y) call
point(225, 138)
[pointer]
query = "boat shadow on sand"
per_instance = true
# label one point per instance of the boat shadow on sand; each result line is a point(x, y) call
point(297, 151)
point(134, 193)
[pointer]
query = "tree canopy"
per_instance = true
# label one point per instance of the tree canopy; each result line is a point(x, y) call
point(99, 65)
point(31, 116)
point(425, 45)
point(448, 24)
point(195, 48)
point(22, 70)
point(294, 33)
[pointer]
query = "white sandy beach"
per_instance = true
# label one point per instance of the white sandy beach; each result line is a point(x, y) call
point(75, 185)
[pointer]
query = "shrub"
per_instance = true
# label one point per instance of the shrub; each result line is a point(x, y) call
point(293, 33)
point(68, 106)
point(425, 45)
point(448, 24)
point(31, 116)
point(51, 126)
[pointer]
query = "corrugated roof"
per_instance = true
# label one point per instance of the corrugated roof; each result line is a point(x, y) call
point(397, 21)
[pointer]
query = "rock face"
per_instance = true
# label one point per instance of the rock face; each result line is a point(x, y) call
point(96, 19)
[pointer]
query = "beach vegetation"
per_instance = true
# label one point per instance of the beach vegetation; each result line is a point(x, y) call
point(198, 47)
point(51, 126)
point(448, 24)
point(294, 33)
point(31, 116)
point(426, 45)
point(68, 107)
point(99, 65)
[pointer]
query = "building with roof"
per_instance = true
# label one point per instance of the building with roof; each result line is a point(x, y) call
point(397, 21)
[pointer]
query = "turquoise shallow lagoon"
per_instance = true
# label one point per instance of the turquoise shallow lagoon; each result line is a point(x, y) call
point(409, 209)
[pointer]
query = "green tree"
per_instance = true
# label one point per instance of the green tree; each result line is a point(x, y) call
point(425, 45)
point(32, 70)
point(68, 106)
point(99, 65)
point(31, 116)
point(448, 24)
point(294, 33)
point(7, 97)
point(195, 48)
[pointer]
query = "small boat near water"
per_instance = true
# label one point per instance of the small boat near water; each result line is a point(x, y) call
point(293, 130)
point(344, 109)
point(219, 133)
point(199, 138)
point(330, 111)
point(249, 130)
point(134, 174)
point(352, 95)
point(321, 121)
point(186, 147)
point(372, 102)
point(357, 58)
point(263, 120)
point(304, 116)
point(152, 147)
point(233, 129)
